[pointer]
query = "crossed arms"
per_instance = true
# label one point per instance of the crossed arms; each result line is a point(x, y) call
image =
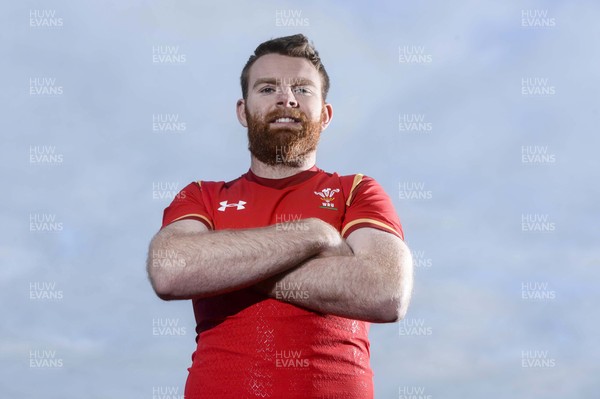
point(367, 277)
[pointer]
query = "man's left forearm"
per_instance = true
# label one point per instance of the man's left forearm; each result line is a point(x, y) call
point(351, 286)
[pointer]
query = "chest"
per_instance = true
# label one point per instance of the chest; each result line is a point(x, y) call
point(239, 207)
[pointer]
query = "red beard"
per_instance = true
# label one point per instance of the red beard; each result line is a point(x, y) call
point(288, 146)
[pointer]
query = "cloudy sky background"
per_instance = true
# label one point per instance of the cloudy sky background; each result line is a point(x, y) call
point(475, 262)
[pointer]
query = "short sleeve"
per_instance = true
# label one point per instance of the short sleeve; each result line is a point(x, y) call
point(188, 204)
point(369, 206)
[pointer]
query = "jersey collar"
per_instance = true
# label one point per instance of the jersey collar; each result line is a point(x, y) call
point(284, 182)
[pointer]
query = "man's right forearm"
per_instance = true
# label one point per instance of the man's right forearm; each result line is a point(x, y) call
point(196, 265)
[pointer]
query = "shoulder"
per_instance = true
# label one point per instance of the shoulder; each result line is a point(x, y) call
point(355, 184)
point(207, 185)
point(359, 183)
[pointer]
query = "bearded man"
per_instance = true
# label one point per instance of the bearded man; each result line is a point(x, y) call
point(286, 265)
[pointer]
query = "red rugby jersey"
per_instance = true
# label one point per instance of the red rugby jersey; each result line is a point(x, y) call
point(252, 346)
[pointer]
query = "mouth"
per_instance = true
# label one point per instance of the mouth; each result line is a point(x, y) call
point(285, 121)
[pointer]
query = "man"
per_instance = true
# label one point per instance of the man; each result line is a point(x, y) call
point(287, 264)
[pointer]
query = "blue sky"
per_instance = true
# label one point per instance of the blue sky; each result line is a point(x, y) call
point(505, 160)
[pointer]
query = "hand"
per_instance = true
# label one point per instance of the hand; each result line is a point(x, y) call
point(330, 243)
point(334, 244)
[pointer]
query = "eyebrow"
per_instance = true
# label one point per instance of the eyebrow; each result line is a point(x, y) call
point(275, 81)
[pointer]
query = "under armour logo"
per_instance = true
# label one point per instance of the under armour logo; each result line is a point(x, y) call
point(225, 205)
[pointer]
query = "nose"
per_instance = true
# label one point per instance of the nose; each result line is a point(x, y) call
point(285, 97)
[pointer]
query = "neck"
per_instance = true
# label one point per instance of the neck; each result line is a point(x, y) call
point(280, 171)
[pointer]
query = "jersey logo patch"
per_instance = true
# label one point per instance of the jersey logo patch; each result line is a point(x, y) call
point(327, 196)
point(225, 205)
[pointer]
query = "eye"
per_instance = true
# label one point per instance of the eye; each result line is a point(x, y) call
point(302, 90)
point(267, 90)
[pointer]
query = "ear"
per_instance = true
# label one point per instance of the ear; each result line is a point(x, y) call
point(326, 116)
point(240, 110)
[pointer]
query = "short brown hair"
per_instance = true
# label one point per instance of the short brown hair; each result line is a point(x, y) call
point(292, 46)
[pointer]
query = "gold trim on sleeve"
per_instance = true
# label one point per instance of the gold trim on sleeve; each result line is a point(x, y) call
point(373, 221)
point(357, 179)
point(197, 215)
